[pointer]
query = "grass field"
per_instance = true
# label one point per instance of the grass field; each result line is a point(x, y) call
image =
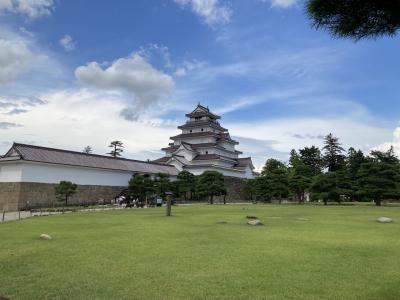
point(302, 252)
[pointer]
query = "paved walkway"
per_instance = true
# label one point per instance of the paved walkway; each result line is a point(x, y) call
point(15, 215)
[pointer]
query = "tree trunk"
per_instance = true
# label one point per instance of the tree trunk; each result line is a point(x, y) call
point(168, 208)
point(378, 202)
point(280, 200)
point(66, 200)
point(184, 195)
point(212, 199)
point(224, 199)
point(325, 202)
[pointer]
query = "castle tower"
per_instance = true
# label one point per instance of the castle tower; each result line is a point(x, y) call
point(203, 145)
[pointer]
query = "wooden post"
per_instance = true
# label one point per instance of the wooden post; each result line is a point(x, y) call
point(169, 200)
point(4, 214)
point(19, 215)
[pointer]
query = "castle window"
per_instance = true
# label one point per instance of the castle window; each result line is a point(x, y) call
point(202, 129)
point(191, 130)
point(206, 152)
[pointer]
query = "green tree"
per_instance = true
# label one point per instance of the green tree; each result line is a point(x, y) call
point(294, 158)
point(87, 150)
point(274, 179)
point(354, 160)
point(312, 158)
point(141, 186)
point(356, 19)
point(162, 184)
point(331, 186)
point(379, 178)
point(250, 188)
point(64, 190)
point(324, 187)
point(300, 178)
point(210, 184)
point(333, 153)
point(117, 148)
point(186, 183)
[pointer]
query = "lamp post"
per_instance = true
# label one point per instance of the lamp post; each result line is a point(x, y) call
point(169, 200)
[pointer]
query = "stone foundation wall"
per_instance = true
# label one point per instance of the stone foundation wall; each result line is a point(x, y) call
point(235, 190)
point(20, 195)
point(9, 195)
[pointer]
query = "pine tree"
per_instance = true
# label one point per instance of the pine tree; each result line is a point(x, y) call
point(333, 157)
point(186, 183)
point(210, 184)
point(274, 180)
point(300, 178)
point(118, 148)
point(378, 178)
point(354, 160)
point(162, 184)
point(64, 190)
point(311, 157)
point(87, 150)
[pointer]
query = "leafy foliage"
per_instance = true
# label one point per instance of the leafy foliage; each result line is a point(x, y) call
point(162, 184)
point(210, 184)
point(356, 19)
point(379, 177)
point(117, 148)
point(64, 190)
point(87, 150)
point(333, 153)
point(186, 183)
point(141, 186)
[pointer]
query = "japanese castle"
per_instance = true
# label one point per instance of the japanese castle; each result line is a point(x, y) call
point(205, 145)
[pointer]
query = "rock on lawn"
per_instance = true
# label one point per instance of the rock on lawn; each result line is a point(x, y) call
point(254, 222)
point(44, 236)
point(384, 220)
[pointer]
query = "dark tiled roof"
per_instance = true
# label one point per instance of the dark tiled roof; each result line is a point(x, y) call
point(212, 156)
point(72, 158)
point(202, 123)
point(201, 111)
point(207, 157)
point(194, 135)
point(162, 159)
point(244, 162)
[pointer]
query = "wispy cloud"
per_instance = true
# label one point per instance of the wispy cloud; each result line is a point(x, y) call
point(282, 3)
point(68, 43)
point(31, 8)
point(212, 12)
point(8, 125)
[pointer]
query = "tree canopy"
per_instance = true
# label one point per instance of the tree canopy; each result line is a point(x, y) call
point(64, 190)
point(117, 148)
point(356, 19)
point(210, 184)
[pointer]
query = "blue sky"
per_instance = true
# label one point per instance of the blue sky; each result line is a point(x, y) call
point(77, 73)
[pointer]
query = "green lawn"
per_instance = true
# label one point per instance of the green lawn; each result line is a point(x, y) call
point(340, 252)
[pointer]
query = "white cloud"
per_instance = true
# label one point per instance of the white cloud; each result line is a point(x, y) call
point(187, 66)
point(395, 143)
point(89, 117)
point(14, 59)
point(282, 3)
point(31, 8)
point(211, 11)
point(289, 133)
point(67, 43)
point(134, 75)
